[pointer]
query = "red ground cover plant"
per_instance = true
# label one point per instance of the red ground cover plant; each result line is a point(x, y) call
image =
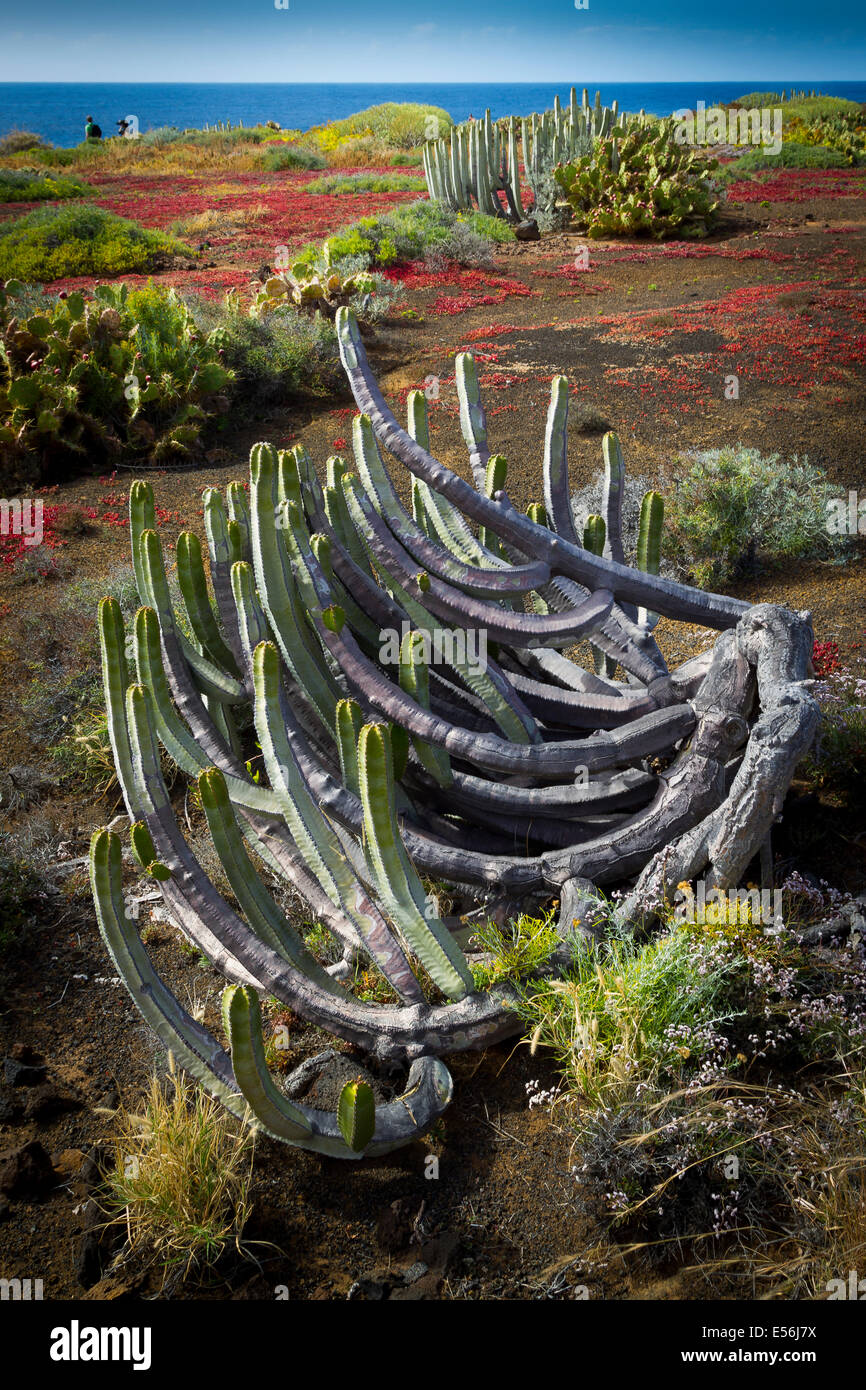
point(798, 186)
point(826, 659)
point(497, 288)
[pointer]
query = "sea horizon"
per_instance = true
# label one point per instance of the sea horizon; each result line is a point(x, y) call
point(57, 111)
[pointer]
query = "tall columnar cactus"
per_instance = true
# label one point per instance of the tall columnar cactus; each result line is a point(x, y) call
point(478, 166)
point(408, 685)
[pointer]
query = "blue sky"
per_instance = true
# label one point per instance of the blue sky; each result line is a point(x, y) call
point(414, 40)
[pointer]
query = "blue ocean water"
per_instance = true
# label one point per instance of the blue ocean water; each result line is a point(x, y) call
point(57, 110)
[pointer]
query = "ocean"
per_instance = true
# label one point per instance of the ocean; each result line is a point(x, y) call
point(56, 111)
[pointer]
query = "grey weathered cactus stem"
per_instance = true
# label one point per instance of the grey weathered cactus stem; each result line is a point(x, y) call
point(389, 749)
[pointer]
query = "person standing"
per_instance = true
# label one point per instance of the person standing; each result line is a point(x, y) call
point(91, 130)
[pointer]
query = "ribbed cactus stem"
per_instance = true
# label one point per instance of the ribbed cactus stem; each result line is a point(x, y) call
point(649, 546)
point(356, 1114)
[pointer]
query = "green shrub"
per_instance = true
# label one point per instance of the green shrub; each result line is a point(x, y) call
point(844, 132)
point(808, 108)
point(640, 180)
point(53, 243)
point(411, 232)
point(17, 141)
point(272, 357)
point(87, 379)
point(366, 183)
point(736, 505)
point(285, 156)
point(31, 185)
point(22, 899)
point(791, 156)
point(216, 138)
point(400, 124)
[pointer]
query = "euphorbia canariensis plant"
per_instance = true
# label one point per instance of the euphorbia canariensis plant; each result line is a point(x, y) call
point(348, 631)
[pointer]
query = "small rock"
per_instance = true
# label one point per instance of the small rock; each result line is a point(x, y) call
point(46, 1100)
point(369, 1289)
point(67, 1164)
point(10, 1109)
point(93, 1249)
point(394, 1228)
point(26, 1171)
point(527, 230)
point(17, 1073)
point(108, 1290)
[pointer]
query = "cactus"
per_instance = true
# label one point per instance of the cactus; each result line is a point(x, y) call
point(518, 775)
point(356, 1114)
point(478, 166)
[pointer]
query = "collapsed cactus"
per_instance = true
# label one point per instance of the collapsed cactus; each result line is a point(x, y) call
point(417, 713)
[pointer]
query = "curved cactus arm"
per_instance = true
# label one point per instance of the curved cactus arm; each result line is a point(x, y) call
point(189, 1042)
point(667, 597)
point(362, 624)
point(254, 901)
point(193, 587)
point(278, 593)
point(482, 677)
point(594, 796)
point(115, 678)
point(483, 583)
point(212, 680)
point(558, 670)
point(495, 476)
point(692, 788)
point(397, 882)
point(427, 1095)
point(315, 837)
point(222, 554)
point(349, 721)
point(615, 635)
point(557, 494)
point(415, 680)
point(650, 734)
point(239, 513)
point(473, 421)
point(444, 602)
point(649, 547)
point(272, 1110)
point(341, 525)
point(612, 496)
point(576, 709)
point(180, 745)
point(448, 522)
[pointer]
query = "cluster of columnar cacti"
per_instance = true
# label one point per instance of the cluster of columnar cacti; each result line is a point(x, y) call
point(470, 748)
point(480, 160)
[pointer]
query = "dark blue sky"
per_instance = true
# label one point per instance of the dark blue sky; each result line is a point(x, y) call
point(449, 40)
